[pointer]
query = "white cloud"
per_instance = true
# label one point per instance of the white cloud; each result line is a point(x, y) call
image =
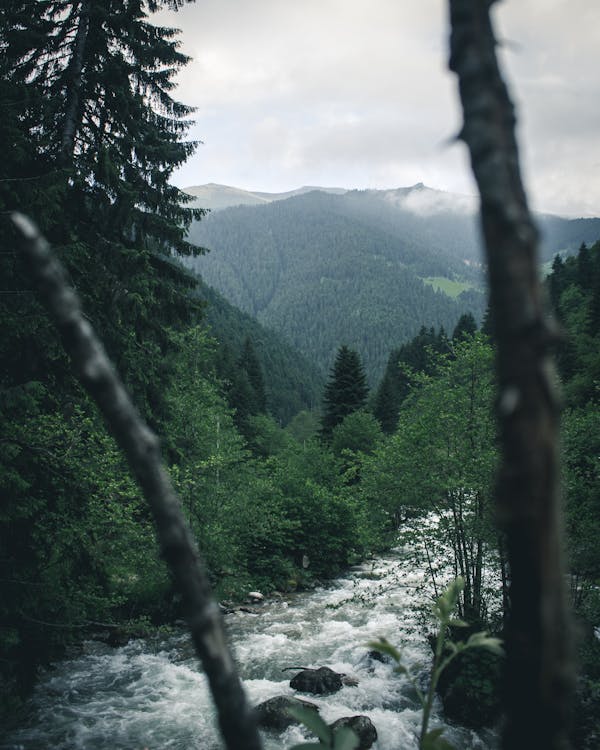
point(341, 92)
point(432, 202)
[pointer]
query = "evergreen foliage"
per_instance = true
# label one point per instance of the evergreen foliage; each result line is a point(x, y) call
point(321, 268)
point(91, 137)
point(466, 326)
point(292, 382)
point(248, 362)
point(345, 392)
point(416, 356)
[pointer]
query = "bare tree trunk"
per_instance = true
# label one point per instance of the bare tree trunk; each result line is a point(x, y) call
point(539, 664)
point(141, 447)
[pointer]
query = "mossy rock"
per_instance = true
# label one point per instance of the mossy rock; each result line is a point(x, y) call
point(470, 688)
point(273, 713)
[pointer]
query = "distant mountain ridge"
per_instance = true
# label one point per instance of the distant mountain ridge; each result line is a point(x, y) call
point(334, 266)
point(217, 197)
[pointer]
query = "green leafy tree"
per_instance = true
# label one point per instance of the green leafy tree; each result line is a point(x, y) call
point(442, 458)
point(345, 392)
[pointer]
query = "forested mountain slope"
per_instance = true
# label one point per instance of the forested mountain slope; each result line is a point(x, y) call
point(292, 382)
point(326, 268)
point(311, 269)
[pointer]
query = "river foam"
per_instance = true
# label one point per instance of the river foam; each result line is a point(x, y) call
point(152, 694)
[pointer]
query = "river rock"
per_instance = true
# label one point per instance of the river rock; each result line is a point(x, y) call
point(273, 713)
point(362, 726)
point(255, 596)
point(322, 681)
point(470, 688)
point(375, 655)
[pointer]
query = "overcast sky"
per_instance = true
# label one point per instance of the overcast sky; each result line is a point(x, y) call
point(356, 94)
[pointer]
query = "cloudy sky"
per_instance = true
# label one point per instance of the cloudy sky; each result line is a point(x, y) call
point(356, 94)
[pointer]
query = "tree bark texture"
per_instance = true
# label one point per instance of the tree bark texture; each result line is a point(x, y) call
point(539, 667)
point(141, 447)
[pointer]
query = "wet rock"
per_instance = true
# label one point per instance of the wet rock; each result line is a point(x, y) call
point(248, 610)
point(273, 713)
point(362, 726)
point(375, 655)
point(470, 688)
point(117, 638)
point(255, 596)
point(322, 681)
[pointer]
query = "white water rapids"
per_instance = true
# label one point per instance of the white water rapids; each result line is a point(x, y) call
point(151, 694)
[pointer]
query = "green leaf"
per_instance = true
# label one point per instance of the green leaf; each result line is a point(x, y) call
point(385, 647)
point(483, 640)
point(345, 739)
point(456, 623)
point(312, 721)
point(433, 740)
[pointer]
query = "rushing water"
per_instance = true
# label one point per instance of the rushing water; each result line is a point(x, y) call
point(151, 694)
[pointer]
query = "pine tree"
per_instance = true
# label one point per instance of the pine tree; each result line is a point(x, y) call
point(346, 391)
point(556, 281)
point(92, 127)
point(585, 269)
point(386, 406)
point(248, 362)
point(90, 138)
point(466, 326)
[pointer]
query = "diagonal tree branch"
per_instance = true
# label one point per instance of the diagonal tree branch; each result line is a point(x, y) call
point(539, 662)
point(141, 447)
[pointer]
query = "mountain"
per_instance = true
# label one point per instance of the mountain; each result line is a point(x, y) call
point(361, 268)
point(217, 197)
point(292, 382)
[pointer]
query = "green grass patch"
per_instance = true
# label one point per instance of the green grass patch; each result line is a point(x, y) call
point(448, 286)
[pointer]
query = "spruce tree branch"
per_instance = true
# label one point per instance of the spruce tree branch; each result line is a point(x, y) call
point(539, 679)
point(75, 71)
point(141, 447)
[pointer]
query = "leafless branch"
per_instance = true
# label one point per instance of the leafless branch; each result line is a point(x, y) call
point(141, 447)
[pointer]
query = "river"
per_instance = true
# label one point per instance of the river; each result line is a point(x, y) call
point(152, 694)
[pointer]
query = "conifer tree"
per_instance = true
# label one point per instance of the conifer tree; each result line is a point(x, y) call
point(585, 271)
point(346, 391)
point(466, 326)
point(248, 362)
point(556, 281)
point(92, 138)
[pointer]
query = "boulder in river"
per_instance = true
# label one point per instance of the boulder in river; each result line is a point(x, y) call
point(362, 727)
point(273, 713)
point(322, 681)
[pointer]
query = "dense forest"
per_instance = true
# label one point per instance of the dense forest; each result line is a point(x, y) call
point(293, 383)
point(285, 479)
point(315, 269)
point(359, 267)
